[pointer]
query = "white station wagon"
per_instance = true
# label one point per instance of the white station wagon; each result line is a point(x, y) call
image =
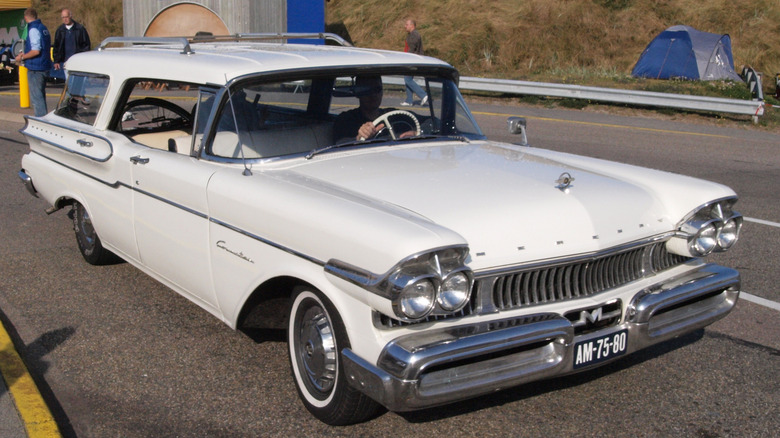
point(420, 262)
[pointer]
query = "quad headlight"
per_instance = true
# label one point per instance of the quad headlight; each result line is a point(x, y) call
point(713, 227)
point(437, 282)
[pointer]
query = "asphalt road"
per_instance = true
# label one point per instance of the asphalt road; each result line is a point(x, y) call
point(118, 354)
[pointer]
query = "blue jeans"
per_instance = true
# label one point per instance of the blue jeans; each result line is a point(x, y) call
point(412, 88)
point(37, 81)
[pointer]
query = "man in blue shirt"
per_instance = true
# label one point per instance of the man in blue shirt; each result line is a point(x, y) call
point(37, 59)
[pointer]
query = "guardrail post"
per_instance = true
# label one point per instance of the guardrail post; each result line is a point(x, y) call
point(753, 79)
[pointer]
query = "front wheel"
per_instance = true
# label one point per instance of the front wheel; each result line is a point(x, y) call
point(316, 336)
point(88, 240)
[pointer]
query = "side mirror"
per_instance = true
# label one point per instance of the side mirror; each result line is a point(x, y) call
point(517, 125)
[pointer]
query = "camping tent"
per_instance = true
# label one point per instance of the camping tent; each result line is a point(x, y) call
point(684, 52)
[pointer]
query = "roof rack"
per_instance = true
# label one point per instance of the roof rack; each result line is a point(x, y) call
point(184, 42)
point(274, 36)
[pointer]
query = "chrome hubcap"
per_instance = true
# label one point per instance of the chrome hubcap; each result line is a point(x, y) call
point(86, 228)
point(317, 350)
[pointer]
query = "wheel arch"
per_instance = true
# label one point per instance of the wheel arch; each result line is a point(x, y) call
point(62, 202)
point(263, 304)
point(268, 306)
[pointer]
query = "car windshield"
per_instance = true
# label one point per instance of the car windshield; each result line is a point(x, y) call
point(297, 116)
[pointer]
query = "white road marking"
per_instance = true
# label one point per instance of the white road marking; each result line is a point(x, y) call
point(763, 222)
point(760, 301)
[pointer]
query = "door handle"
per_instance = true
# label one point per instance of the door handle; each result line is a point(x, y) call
point(138, 160)
point(84, 143)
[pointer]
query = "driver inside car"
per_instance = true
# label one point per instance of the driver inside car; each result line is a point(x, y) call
point(357, 124)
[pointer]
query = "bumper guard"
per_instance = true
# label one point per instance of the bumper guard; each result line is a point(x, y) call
point(440, 366)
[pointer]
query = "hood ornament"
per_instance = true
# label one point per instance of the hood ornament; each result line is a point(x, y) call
point(564, 182)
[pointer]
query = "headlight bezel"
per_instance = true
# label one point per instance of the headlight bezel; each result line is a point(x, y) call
point(701, 232)
point(438, 266)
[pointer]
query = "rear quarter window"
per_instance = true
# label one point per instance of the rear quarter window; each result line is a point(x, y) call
point(83, 97)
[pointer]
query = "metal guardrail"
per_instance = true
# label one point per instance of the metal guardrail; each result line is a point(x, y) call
point(753, 108)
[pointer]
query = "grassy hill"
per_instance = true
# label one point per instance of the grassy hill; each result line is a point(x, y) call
point(586, 42)
point(570, 40)
point(563, 40)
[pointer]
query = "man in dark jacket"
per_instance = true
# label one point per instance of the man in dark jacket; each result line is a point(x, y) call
point(69, 39)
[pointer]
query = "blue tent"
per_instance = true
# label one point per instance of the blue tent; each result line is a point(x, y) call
point(684, 52)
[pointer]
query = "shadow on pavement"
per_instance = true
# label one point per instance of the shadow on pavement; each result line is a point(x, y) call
point(33, 357)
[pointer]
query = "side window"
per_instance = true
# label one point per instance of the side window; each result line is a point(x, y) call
point(273, 119)
point(158, 114)
point(82, 98)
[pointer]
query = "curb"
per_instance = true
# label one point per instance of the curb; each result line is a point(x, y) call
point(33, 411)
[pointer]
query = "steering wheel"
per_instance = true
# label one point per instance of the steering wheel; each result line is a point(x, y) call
point(385, 118)
point(151, 113)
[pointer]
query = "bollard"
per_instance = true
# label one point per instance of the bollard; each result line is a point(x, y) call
point(24, 88)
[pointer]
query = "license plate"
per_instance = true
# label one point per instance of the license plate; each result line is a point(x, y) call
point(594, 350)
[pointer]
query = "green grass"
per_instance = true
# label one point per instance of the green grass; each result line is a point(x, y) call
point(583, 42)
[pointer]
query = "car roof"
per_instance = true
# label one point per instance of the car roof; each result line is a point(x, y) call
point(220, 62)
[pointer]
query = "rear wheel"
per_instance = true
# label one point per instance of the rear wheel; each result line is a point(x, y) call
point(88, 240)
point(316, 336)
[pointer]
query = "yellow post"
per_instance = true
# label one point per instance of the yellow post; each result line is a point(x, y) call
point(24, 88)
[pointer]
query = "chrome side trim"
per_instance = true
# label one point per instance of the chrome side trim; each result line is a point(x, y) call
point(77, 131)
point(28, 184)
point(113, 185)
point(199, 214)
point(268, 242)
point(440, 366)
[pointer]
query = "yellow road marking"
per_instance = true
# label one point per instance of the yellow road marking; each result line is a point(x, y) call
point(35, 414)
point(603, 125)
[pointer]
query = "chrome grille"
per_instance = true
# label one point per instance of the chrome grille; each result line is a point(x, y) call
point(575, 280)
point(558, 282)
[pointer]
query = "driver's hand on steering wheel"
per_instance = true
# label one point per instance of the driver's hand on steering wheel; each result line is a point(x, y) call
point(368, 130)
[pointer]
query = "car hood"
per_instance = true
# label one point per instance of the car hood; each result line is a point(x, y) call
point(509, 202)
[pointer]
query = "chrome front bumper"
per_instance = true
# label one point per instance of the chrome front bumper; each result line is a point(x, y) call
point(440, 366)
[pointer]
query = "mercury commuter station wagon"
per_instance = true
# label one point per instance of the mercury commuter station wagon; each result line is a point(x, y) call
point(420, 262)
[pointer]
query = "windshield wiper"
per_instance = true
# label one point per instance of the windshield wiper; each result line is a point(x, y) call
point(435, 136)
